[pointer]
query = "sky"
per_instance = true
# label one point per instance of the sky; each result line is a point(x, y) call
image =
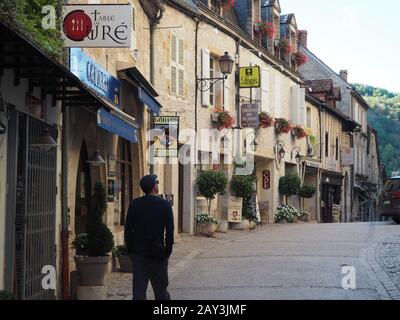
point(361, 36)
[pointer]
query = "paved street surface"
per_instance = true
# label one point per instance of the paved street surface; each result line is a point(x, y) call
point(289, 262)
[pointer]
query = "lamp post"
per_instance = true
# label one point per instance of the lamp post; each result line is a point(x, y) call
point(297, 157)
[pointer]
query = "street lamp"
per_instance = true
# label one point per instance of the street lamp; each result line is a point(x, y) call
point(297, 157)
point(279, 150)
point(225, 65)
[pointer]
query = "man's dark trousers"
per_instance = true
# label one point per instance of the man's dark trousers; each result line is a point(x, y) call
point(153, 270)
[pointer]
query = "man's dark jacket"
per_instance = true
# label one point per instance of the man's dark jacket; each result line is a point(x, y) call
point(149, 228)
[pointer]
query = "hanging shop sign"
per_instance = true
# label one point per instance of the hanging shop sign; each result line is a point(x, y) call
point(166, 132)
point(249, 116)
point(249, 77)
point(235, 210)
point(266, 179)
point(347, 157)
point(93, 75)
point(97, 26)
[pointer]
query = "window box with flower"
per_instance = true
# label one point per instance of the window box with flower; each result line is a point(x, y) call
point(222, 120)
point(285, 47)
point(282, 126)
point(265, 29)
point(300, 58)
point(226, 4)
point(266, 121)
point(299, 132)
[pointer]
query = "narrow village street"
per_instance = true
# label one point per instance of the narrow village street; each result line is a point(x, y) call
point(290, 262)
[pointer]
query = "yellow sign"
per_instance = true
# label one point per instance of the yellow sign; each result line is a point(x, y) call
point(235, 210)
point(250, 77)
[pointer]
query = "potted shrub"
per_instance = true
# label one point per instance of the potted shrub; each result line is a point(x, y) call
point(307, 192)
point(266, 121)
point(300, 58)
point(6, 295)
point(282, 126)
point(299, 132)
point(210, 183)
point(93, 249)
point(124, 260)
point(289, 185)
point(223, 120)
point(243, 187)
point(207, 225)
point(286, 214)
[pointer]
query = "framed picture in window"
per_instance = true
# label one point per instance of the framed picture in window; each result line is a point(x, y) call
point(112, 165)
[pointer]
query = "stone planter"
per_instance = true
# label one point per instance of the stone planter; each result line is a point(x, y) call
point(92, 270)
point(223, 226)
point(207, 229)
point(125, 264)
point(243, 226)
point(304, 219)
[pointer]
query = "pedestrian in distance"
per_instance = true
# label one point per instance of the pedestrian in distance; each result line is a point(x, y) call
point(149, 238)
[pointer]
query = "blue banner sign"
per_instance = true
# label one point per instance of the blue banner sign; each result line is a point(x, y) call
point(93, 75)
point(115, 125)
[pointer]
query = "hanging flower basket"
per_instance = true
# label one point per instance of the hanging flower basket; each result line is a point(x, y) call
point(226, 4)
point(282, 126)
point(285, 46)
point(299, 132)
point(266, 121)
point(300, 58)
point(265, 28)
point(223, 120)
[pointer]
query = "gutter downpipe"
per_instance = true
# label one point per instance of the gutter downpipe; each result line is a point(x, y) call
point(64, 201)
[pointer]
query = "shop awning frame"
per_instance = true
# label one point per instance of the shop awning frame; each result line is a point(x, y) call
point(30, 62)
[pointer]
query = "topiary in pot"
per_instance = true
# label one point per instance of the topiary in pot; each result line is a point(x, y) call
point(210, 183)
point(307, 192)
point(100, 241)
point(289, 185)
point(243, 187)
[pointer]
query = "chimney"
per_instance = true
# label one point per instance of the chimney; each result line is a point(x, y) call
point(302, 36)
point(344, 74)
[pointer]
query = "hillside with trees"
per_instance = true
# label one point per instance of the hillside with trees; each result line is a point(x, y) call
point(384, 116)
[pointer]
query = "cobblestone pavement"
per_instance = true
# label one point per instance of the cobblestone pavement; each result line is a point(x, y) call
point(293, 262)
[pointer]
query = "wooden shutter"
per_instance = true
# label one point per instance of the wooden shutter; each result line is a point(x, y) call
point(181, 67)
point(278, 96)
point(133, 30)
point(205, 73)
point(302, 107)
point(295, 104)
point(265, 91)
point(227, 97)
point(174, 70)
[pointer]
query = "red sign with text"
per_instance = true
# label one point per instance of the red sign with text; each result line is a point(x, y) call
point(266, 180)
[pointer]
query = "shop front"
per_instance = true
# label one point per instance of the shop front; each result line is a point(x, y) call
point(331, 197)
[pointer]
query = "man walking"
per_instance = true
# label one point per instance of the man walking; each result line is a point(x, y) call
point(149, 237)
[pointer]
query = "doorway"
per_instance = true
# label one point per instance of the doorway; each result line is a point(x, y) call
point(31, 208)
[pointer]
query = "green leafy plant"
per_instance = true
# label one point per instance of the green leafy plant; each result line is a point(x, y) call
point(27, 16)
point(288, 213)
point(243, 187)
point(307, 192)
point(210, 183)
point(206, 218)
point(289, 185)
point(224, 120)
point(120, 251)
point(299, 132)
point(266, 121)
point(6, 295)
point(100, 240)
point(80, 244)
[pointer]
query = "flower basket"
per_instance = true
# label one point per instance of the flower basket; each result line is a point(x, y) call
point(285, 47)
point(300, 58)
point(207, 225)
point(265, 28)
point(266, 121)
point(223, 120)
point(282, 126)
point(299, 132)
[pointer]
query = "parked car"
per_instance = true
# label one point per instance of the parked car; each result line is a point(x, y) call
point(390, 201)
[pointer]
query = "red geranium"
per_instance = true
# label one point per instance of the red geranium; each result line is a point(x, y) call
point(300, 58)
point(282, 126)
point(299, 132)
point(266, 121)
point(285, 46)
point(224, 120)
point(227, 3)
point(266, 28)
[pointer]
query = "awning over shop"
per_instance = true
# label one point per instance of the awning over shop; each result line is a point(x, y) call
point(56, 80)
point(146, 92)
point(116, 125)
point(332, 178)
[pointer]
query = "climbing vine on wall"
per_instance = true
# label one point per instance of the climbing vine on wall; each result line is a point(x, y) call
point(27, 16)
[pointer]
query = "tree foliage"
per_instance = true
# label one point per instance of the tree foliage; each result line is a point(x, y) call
point(210, 183)
point(384, 116)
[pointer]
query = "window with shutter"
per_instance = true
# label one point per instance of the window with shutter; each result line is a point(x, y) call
point(205, 74)
point(295, 104)
point(277, 96)
point(302, 107)
point(177, 66)
point(265, 91)
point(227, 97)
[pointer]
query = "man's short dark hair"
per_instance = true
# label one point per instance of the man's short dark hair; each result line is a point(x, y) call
point(147, 183)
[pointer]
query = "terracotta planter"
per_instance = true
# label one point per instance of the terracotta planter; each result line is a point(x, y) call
point(207, 229)
point(125, 264)
point(92, 270)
